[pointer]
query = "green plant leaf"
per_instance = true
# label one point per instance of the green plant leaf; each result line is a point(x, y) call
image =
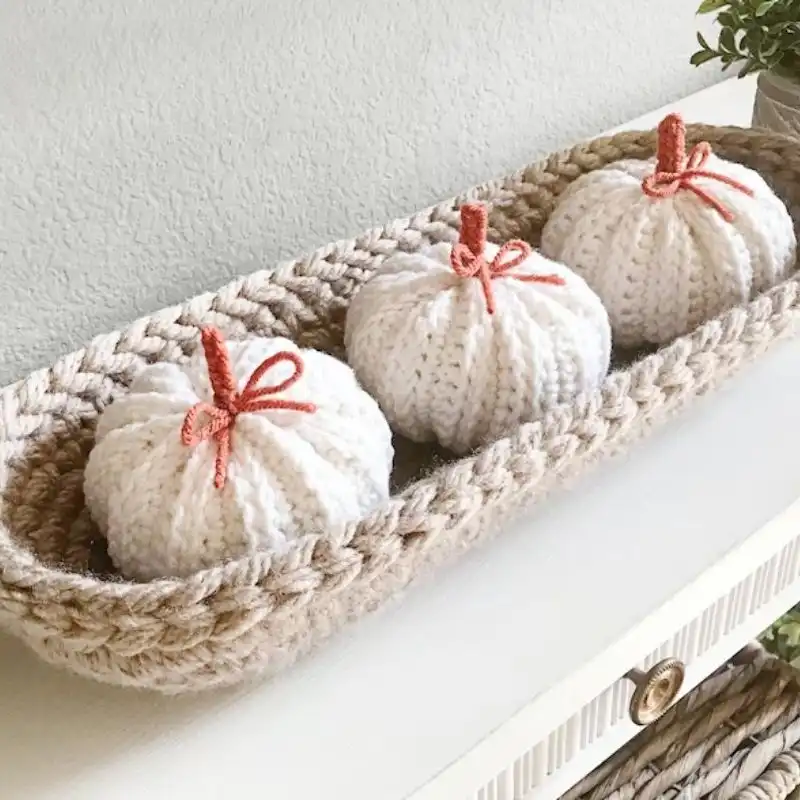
point(753, 41)
point(755, 34)
point(709, 6)
point(778, 28)
point(750, 66)
point(729, 19)
point(702, 41)
point(701, 57)
point(791, 632)
point(727, 41)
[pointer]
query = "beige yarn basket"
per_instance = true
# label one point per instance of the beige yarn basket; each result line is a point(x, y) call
point(254, 616)
point(736, 735)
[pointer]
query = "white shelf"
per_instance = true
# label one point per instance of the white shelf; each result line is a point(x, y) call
point(386, 706)
point(726, 103)
point(562, 735)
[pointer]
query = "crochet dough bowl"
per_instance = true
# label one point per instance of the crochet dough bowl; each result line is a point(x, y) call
point(253, 616)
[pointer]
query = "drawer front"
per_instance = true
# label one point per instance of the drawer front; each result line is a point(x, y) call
point(548, 766)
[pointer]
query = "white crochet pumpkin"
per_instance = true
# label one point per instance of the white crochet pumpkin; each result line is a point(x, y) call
point(671, 242)
point(243, 449)
point(462, 344)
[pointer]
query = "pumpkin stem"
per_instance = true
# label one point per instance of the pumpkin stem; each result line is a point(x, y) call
point(219, 366)
point(671, 144)
point(474, 224)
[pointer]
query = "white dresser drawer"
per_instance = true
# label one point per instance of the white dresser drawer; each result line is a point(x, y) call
point(728, 606)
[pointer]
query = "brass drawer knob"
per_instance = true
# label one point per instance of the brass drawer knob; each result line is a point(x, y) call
point(655, 689)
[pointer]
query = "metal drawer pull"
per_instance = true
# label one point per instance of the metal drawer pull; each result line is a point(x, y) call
point(655, 689)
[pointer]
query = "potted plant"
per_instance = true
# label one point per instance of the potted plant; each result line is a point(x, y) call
point(760, 36)
point(782, 638)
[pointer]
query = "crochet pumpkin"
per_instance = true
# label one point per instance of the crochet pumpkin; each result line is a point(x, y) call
point(671, 242)
point(463, 343)
point(245, 448)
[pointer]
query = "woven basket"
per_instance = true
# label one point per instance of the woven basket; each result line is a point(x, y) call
point(737, 735)
point(255, 615)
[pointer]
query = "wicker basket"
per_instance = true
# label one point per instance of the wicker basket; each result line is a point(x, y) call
point(255, 615)
point(737, 735)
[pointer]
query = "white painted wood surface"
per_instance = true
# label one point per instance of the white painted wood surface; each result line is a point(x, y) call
point(551, 613)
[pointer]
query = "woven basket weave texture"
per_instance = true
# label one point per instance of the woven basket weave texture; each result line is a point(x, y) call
point(256, 615)
point(736, 735)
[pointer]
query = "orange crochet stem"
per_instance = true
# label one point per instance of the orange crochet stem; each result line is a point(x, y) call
point(676, 171)
point(223, 384)
point(228, 403)
point(671, 144)
point(474, 225)
point(467, 257)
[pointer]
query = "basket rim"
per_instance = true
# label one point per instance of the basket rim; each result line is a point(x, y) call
point(364, 548)
point(171, 314)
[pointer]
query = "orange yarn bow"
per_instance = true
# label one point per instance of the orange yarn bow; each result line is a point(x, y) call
point(675, 170)
point(467, 258)
point(229, 403)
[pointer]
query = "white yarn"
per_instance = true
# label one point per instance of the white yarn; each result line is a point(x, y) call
point(421, 341)
point(289, 473)
point(662, 266)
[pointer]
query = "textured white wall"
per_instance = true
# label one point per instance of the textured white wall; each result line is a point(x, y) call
point(152, 149)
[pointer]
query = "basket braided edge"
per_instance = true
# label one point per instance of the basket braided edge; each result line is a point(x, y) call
point(258, 614)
